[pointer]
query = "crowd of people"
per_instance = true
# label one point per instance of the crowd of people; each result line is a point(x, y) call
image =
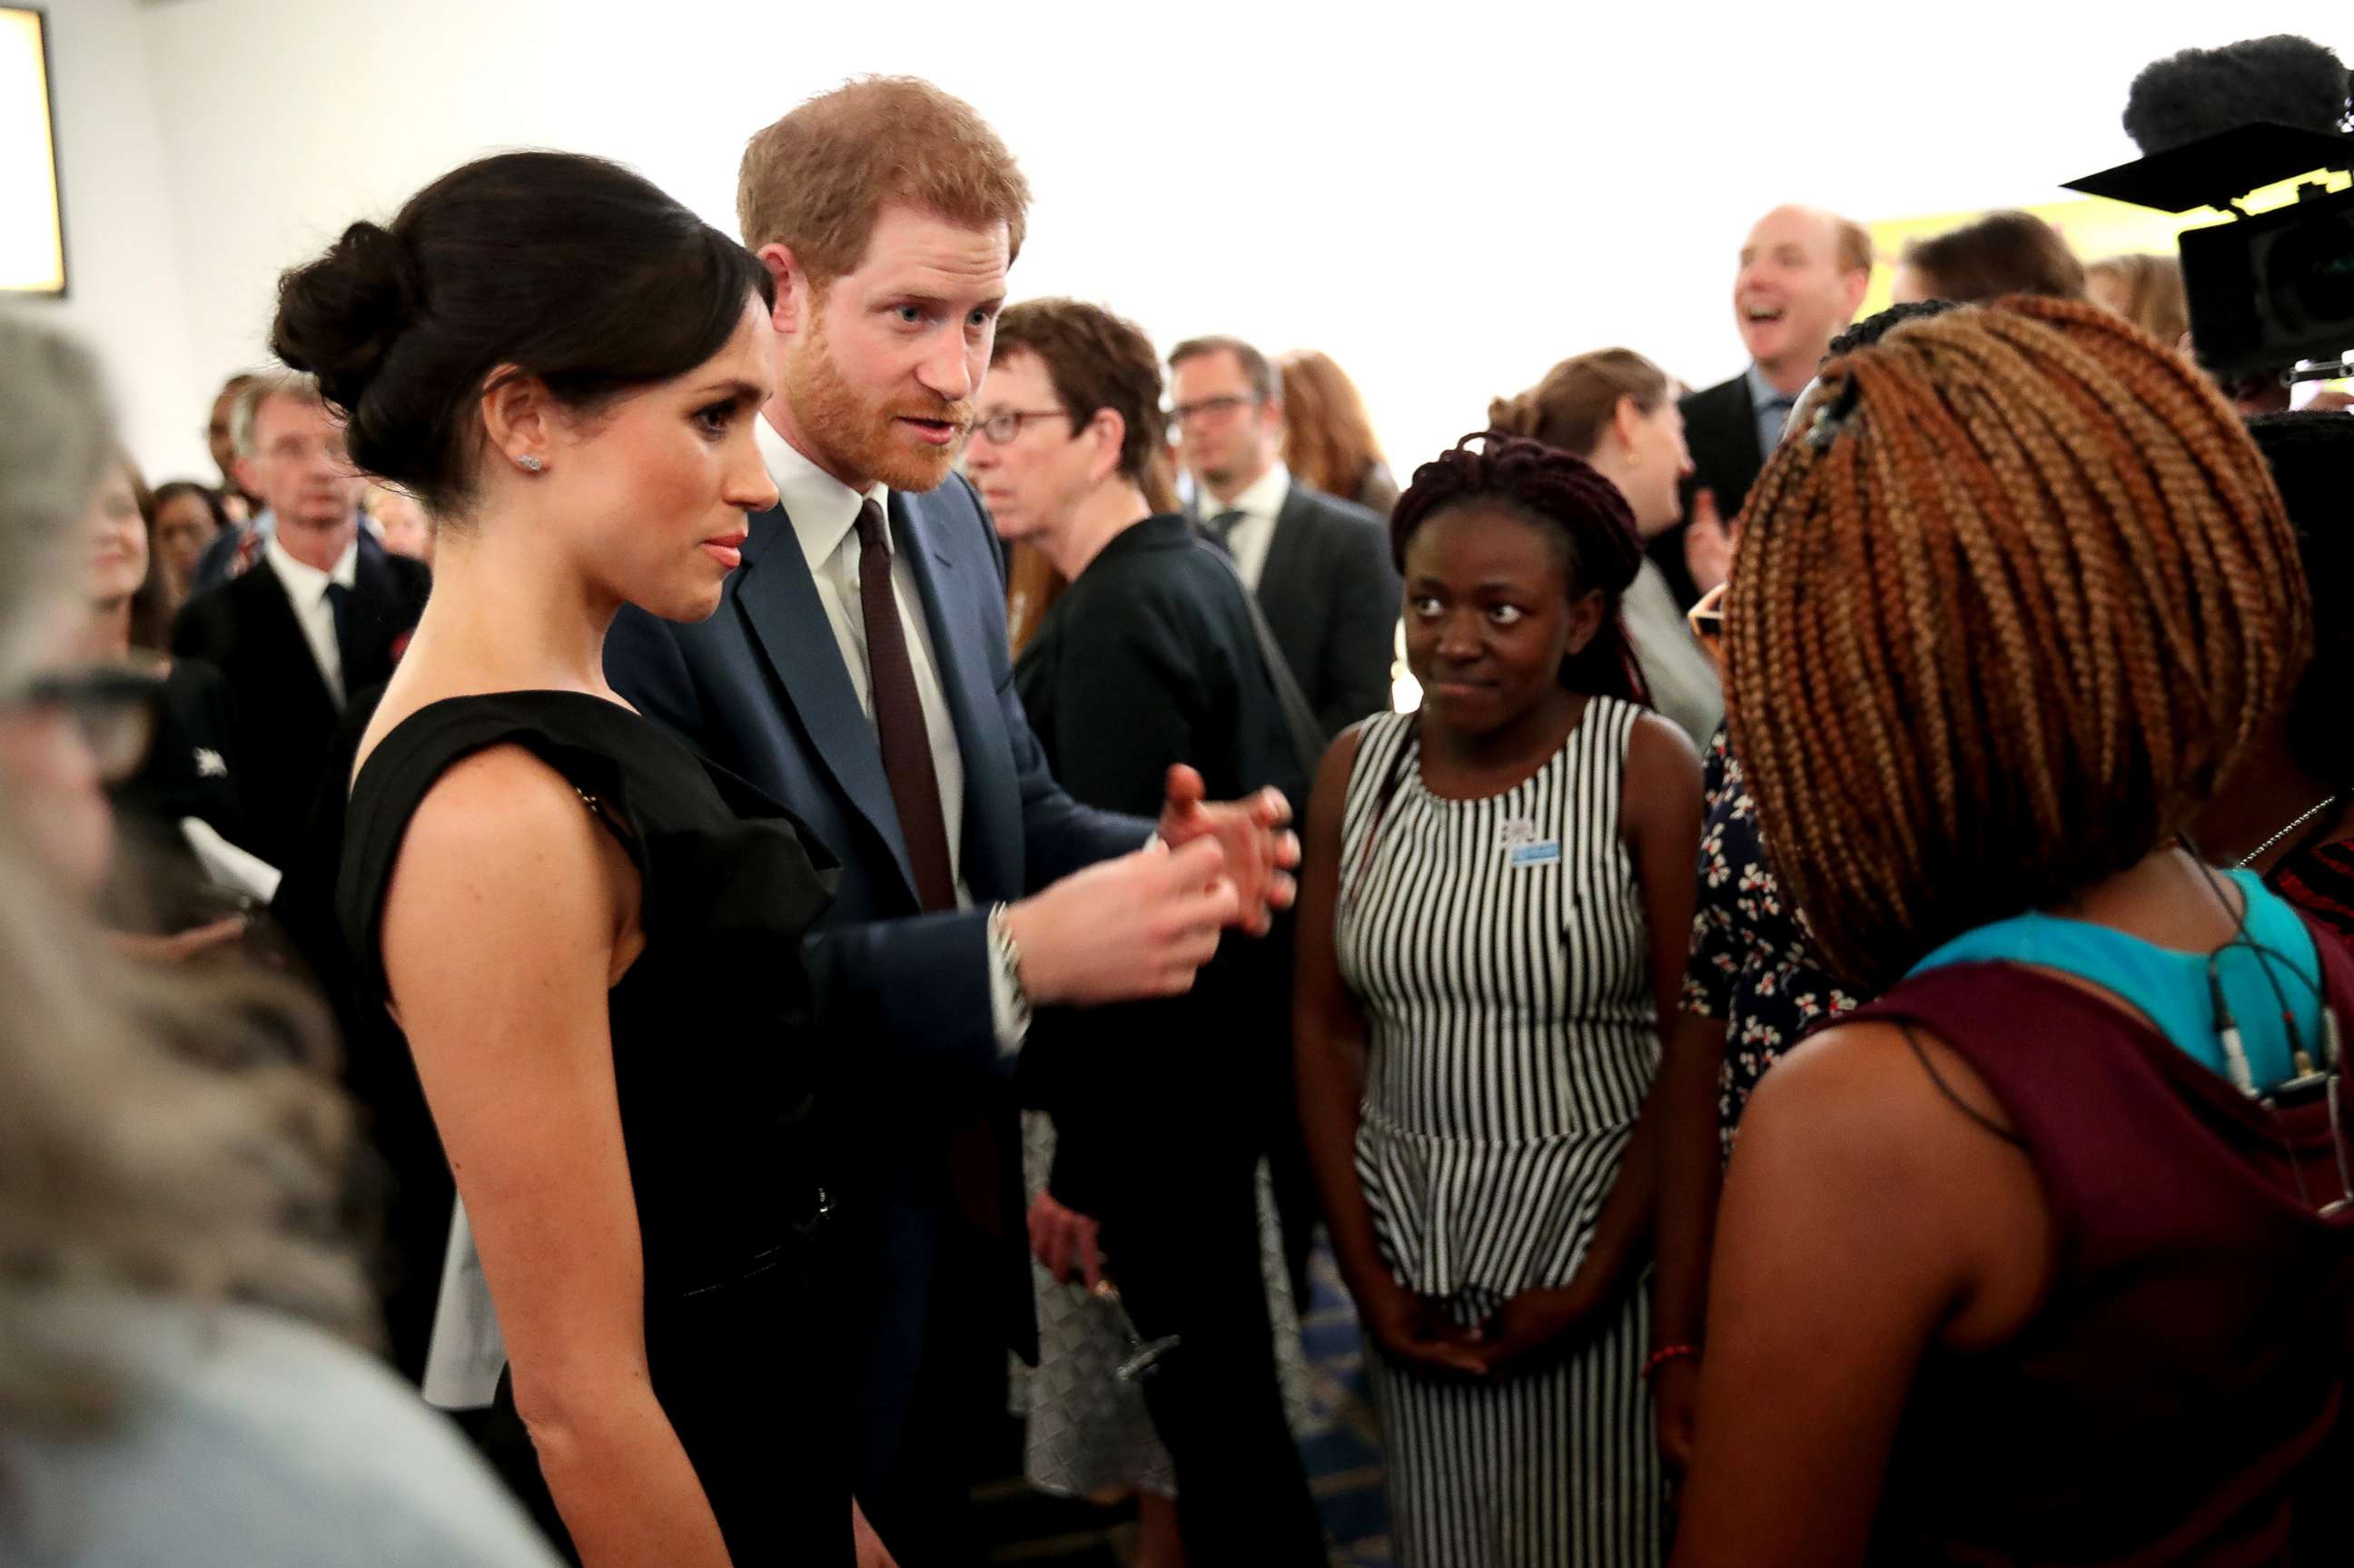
point(698, 842)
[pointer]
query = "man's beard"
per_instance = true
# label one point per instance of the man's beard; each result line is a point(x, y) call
point(854, 437)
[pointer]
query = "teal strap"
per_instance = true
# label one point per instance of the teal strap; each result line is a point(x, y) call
point(2275, 966)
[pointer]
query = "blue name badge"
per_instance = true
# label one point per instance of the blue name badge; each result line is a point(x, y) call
point(1545, 852)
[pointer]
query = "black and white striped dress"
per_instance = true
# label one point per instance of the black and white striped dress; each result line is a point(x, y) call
point(1499, 951)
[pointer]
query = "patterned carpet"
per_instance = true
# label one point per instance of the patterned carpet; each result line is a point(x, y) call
point(1340, 1446)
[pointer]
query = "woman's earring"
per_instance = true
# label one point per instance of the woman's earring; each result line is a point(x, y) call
point(530, 464)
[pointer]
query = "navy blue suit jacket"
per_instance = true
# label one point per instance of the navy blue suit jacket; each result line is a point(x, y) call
point(761, 688)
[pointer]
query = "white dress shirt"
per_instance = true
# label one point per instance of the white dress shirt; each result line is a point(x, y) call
point(306, 590)
point(1255, 533)
point(824, 513)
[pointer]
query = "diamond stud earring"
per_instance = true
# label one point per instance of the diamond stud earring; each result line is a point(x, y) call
point(530, 464)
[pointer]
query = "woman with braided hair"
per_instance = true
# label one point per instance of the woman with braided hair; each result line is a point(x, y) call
point(1492, 930)
point(2040, 1258)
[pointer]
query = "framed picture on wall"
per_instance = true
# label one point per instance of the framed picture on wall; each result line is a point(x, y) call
point(32, 217)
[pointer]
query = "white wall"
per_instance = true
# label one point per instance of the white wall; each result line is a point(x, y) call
point(1447, 198)
point(122, 253)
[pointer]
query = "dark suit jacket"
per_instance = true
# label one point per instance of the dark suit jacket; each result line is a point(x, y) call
point(1150, 659)
point(761, 686)
point(282, 716)
point(213, 565)
point(1721, 429)
point(1332, 596)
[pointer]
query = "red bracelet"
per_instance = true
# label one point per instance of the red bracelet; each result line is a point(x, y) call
point(1667, 1353)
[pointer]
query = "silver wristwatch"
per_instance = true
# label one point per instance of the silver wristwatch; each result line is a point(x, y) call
point(1005, 958)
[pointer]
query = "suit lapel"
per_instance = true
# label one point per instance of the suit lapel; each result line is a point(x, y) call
point(1740, 424)
point(779, 601)
point(376, 604)
point(963, 672)
point(1281, 581)
point(278, 639)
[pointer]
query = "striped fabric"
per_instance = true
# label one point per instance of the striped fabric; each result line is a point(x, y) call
point(1499, 951)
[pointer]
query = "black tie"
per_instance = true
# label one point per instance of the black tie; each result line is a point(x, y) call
point(900, 720)
point(1220, 530)
point(339, 605)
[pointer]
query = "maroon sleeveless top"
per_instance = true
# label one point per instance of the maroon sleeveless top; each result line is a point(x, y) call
point(2176, 1398)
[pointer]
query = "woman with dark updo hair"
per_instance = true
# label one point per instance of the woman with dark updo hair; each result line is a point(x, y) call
point(556, 900)
point(1491, 935)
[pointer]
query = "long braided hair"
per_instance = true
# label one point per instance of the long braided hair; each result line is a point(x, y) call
point(2003, 616)
point(1581, 512)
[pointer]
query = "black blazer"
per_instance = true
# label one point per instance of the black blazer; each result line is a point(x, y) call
point(1150, 659)
point(282, 718)
point(1721, 429)
point(1332, 597)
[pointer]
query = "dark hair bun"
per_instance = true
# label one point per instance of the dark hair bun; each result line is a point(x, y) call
point(561, 267)
point(339, 317)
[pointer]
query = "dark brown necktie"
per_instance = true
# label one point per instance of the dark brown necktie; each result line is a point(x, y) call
point(900, 720)
point(974, 1169)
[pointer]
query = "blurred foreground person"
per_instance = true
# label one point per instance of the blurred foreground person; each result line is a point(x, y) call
point(168, 1164)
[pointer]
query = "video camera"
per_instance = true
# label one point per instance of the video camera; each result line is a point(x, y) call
point(2267, 292)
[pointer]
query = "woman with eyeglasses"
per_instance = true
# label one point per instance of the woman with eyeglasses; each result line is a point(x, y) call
point(1152, 658)
point(1492, 929)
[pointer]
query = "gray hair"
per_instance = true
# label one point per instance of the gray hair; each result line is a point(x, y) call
point(57, 437)
point(169, 1132)
point(264, 385)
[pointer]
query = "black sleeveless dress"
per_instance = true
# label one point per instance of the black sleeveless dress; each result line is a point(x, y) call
point(715, 1061)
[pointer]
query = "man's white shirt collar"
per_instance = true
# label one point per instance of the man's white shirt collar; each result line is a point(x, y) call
point(307, 584)
point(1263, 498)
point(823, 509)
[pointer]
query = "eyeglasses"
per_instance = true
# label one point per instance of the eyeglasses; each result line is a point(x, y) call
point(301, 448)
point(114, 709)
point(1219, 406)
point(1006, 423)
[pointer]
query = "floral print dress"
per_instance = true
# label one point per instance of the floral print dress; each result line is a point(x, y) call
point(1752, 966)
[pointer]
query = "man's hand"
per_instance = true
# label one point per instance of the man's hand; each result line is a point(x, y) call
point(1261, 850)
point(1064, 1241)
point(1125, 929)
point(1708, 543)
